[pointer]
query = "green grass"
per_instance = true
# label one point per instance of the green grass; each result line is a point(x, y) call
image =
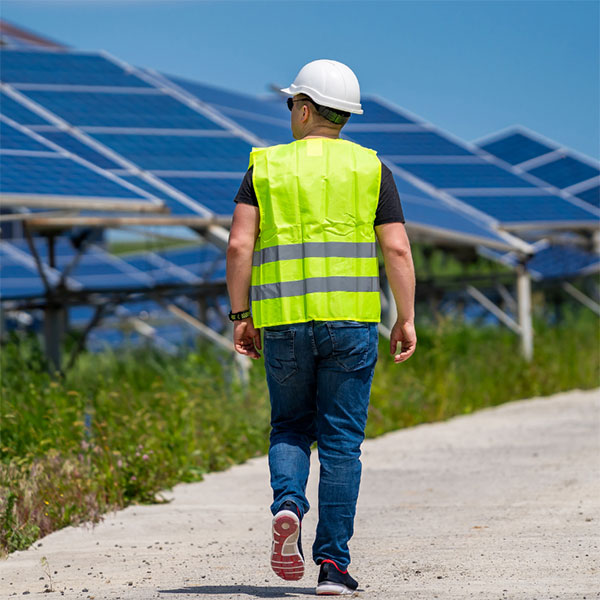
point(121, 427)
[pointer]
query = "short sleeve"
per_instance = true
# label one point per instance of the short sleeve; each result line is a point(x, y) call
point(389, 208)
point(246, 193)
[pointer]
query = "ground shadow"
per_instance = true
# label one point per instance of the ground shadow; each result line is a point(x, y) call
point(250, 590)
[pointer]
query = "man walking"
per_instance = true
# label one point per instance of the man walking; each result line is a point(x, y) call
point(302, 249)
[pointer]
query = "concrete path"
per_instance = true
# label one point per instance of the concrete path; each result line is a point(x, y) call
point(502, 504)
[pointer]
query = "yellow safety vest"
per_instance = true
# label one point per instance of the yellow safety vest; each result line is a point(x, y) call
point(315, 258)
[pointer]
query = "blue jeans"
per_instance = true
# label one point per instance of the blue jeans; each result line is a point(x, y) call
point(319, 376)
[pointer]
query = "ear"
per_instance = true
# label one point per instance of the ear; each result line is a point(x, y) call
point(305, 113)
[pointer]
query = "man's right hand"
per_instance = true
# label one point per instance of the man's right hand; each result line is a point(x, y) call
point(404, 334)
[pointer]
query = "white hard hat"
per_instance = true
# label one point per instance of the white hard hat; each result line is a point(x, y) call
point(329, 83)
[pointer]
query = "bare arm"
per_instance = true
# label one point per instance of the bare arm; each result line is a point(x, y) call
point(242, 237)
point(400, 272)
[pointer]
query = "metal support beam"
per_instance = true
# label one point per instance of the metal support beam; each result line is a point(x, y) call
point(495, 310)
point(525, 320)
point(213, 336)
point(581, 297)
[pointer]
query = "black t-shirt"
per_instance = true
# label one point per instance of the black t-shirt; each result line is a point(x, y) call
point(389, 209)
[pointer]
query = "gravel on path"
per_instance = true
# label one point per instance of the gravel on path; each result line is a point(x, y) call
point(501, 504)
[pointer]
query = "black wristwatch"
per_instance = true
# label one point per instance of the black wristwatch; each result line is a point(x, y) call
point(238, 316)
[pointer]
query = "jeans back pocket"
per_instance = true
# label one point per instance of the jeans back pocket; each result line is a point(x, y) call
point(350, 341)
point(280, 357)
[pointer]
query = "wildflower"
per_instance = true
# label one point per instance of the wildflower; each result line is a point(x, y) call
point(145, 457)
point(46, 502)
point(133, 478)
point(119, 463)
point(84, 445)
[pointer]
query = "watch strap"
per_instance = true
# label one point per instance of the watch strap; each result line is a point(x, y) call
point(238, 316)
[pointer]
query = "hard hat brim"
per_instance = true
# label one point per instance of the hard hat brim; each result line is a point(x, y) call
point(350, 107)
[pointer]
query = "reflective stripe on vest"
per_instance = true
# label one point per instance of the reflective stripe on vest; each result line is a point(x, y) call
point(315, 257)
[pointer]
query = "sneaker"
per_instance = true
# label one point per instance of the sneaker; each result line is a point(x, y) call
point(287, 559)
point(333, 581)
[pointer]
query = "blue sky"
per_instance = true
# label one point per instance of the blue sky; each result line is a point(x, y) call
point(469, 67)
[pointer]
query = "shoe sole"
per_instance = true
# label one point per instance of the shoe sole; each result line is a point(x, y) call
point(286, 560)
point(333, 589)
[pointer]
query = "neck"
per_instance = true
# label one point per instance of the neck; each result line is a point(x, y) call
point(322, 132)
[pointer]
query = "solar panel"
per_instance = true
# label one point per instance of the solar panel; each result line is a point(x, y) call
point(160, 270)
point(180, 152)
point(592, 196)
point(95, 269)
point(72, 144)
point(562, 261)
point(446, 176)
point(407, 143)
point(376, 112)
point(556, 165)
point(565, 171)
point(108, 109)
point(60, 68)
point(216, 194)
point(226, 99)
point(528, 209)
point(13, 139)
point(553, 262)
point(271, 132)
point(19, 278)
point(56, 176)
point(516, 148)
point(19, 113)
point(127, 120)
point(426, 212)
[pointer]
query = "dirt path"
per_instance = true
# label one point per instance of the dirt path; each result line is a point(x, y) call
point(502, 504)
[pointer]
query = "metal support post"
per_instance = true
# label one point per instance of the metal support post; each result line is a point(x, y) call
point(53, 328)
point(525, 319)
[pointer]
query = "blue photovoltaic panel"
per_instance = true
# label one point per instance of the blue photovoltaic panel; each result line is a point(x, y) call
point(161, 271)
point(465, 175)
point(72, 144)
point(562, 261)
point(233, 100)
point(121, 110)
point(414, 143)
point(180, 153)
point(516, 148)
point(13, 139)
point(143, 184)
point(19, 113)
point(17, 278)
point(565, 172)
point(56, 176)
point(206, 262)
point(18, 66)
point(175, 206)
point(422, 209)
point(591, 196)
point(516, 209)
point(216, 194)
point(376, 112)
point(95, 269)
point(270, 132)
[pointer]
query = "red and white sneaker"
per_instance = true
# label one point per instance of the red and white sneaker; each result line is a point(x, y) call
point(287, 559)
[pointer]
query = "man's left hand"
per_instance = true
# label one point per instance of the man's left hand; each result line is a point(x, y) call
point(246, 338)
